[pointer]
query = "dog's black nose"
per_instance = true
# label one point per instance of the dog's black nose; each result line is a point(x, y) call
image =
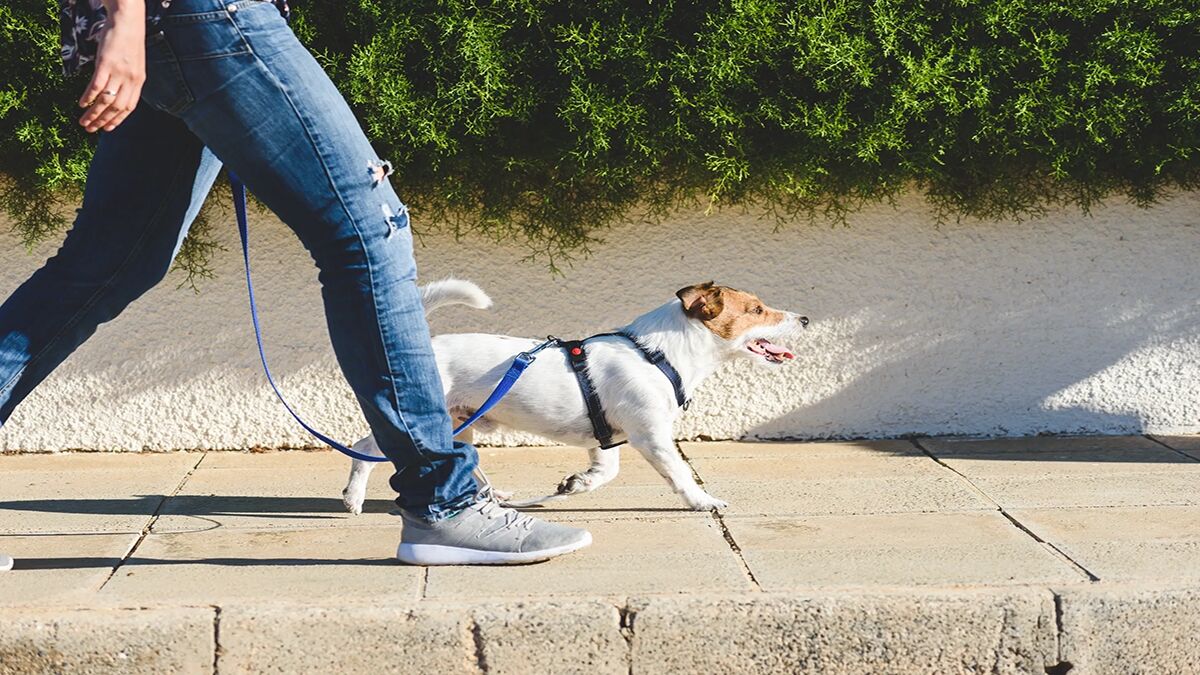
point(804, 321)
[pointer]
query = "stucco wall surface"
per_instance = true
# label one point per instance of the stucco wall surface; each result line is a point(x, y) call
point(1066, 323)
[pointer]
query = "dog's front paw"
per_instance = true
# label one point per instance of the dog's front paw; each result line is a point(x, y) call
point(575, 484)
point(353, 500)
point(703, 501)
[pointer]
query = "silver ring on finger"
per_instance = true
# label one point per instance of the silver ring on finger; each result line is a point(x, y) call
point(109, 92)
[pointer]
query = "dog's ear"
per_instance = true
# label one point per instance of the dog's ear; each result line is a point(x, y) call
point(702, 301)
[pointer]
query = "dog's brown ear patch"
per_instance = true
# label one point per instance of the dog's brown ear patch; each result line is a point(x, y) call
point(701, 301)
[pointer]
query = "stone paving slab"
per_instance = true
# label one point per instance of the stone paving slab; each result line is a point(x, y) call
point(1147, 543)
point(830, 479)
point(927, 493)
point(284, 490)
point(1063, 457)
point(233, 564)
point(1103, 491)
point(660, 555)
point(1189, 445)
point(60, 568)
point(1016, 449)
point(785, 449)
point(1055, 472)
point(614, 502)
point(539, 468)
point(637, 490)
point(87, 492)
point(894, 549)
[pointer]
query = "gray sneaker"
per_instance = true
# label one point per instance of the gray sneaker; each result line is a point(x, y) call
point(486, 533)
point(6, 563)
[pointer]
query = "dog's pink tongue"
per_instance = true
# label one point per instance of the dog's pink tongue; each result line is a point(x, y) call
point(776, 350)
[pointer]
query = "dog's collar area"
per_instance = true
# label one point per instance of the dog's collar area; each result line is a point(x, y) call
point(661, 362)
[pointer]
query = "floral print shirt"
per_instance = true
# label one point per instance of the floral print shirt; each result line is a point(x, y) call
point(82, 21)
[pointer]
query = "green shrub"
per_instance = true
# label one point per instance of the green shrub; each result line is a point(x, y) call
point(546, 121)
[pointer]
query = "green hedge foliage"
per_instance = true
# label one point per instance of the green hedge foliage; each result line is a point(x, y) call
point(548, 120)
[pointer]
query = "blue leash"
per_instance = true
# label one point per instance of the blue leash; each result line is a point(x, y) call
point(519, 364)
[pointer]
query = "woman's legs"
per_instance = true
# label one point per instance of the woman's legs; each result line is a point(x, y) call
point(145, 185)
point(243, 84)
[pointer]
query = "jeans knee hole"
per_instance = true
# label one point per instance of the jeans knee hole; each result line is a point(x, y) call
point(396, 220)
point(379, 169)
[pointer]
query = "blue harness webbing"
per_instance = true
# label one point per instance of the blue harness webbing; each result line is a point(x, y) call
point(576, 356)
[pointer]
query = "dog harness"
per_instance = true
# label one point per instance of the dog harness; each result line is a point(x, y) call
point(576, 356)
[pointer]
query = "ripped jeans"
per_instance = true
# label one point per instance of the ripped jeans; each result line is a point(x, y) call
point(229, 83)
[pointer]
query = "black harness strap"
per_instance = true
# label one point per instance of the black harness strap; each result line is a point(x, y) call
point(659, 359)
point(577, 356)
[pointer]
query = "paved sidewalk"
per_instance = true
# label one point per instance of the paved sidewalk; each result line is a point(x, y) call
point(937, 555)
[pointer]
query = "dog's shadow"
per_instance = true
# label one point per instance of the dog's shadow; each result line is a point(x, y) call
point(301, 508)
point(277, 507)
point(86, 562)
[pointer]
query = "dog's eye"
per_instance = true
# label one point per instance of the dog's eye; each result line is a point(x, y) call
point(758, 310)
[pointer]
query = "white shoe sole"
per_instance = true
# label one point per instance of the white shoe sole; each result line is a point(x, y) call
point(434, 554)
point(6, 563)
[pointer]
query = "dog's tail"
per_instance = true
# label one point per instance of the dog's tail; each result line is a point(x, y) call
point(453, 292)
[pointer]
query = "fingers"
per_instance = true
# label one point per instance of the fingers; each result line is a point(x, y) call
point(124, 105)
point(110, 112)
point(101, 109)
point(97, 85)
point(101, 112)
point(111, 106)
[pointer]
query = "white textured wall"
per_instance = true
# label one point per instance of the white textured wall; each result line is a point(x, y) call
point(1063, 324)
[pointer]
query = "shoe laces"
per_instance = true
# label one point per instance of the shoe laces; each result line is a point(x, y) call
point(489, 505)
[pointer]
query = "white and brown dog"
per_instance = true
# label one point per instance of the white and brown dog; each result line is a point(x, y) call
point(706, 326)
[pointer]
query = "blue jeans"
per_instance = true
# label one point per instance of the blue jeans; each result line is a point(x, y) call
point(230, 83)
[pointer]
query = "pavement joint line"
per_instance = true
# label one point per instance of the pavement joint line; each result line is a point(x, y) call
point(1062, 665)
point(1172, 449)
point(481, 661)
point(626, 614)
point(216, 663)
point(716, 515)
point(1058, 552)
point(423, 585)
point(150, 524)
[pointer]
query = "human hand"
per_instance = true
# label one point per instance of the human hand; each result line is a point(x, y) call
point(120, 72)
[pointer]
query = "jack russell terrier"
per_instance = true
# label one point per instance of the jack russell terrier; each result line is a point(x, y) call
point(632, 396)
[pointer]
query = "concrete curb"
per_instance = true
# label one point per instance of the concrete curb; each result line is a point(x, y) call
point(151, 641)
point(1085, 629)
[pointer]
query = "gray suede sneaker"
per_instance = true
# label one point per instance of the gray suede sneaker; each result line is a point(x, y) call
point(6, 563)
point(486, 533)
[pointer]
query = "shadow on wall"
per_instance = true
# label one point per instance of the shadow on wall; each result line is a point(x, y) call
point(1084, 358)
point(991, 329)
point(1064, 324)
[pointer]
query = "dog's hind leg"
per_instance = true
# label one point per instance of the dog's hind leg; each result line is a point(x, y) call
point(360, 472)
point(659, 450)
point(605, 465)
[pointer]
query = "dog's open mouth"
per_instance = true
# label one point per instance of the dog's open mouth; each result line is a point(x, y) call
point(769, 350)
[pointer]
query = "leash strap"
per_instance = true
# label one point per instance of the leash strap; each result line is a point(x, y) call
point(519, 364)
point(239, 208)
